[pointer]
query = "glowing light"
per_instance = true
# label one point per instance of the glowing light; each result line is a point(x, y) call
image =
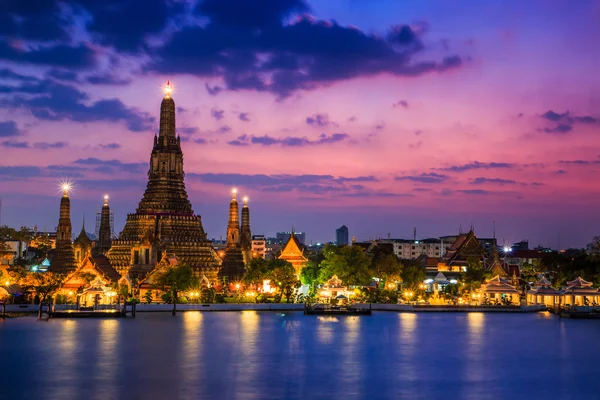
point(506, 249)
point(453, 281)
point(105, 197)
point(168, 89)
point(66, 187)
point(70, 293)
point(245, 199)
point(234, 192)
point(7, 283)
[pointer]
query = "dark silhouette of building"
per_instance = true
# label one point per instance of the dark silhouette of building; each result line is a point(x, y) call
point(104, 240)
point(233, 267)
point(63, 258)
point(341, 236)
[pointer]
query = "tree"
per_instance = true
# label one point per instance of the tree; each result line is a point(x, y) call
point(258, 269)
point(148, 296)
point(174, 280)
point(349, 263)
point(412, 275)
point(475, 274)
point(42, 283)
point(309, 275)
point(389, 269)
point(283, 274)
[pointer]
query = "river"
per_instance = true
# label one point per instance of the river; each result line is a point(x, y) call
point(269, 355)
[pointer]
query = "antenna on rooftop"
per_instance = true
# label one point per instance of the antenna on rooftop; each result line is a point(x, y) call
point(415, 234)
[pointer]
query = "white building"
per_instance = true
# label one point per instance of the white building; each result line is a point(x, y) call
point(259, 246)
point(412, 249)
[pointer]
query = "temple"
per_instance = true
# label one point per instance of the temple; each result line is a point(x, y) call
point(164, 223)
point(233, 266)
point(82, 245)
point(63, 260)
point(293, 252)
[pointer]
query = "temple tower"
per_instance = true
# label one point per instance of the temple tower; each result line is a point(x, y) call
point(233, 226)
point(233, 266)
point(104, 239)
point(63, 260)
point(246, 234)
point(164, 224)
point(82, 246)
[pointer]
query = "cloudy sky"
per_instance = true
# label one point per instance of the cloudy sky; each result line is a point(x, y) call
point(382, 115)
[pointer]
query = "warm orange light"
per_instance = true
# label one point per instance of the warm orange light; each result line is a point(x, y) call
point(66, 187)
point(168, 89)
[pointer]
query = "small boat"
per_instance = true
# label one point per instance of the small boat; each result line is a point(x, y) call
point(327, 309)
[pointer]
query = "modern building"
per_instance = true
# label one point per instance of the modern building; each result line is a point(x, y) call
point(283, 237)
point(259, 246)
point(341, 236)
point(413, 249)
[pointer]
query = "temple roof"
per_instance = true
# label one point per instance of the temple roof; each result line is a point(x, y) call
point(83, 240)
point(579, 282)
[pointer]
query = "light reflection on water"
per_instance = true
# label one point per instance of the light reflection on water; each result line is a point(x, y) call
point(253, 355)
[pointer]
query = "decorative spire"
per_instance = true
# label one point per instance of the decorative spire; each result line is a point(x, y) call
point(233, 227)
point(246, 235)
point(106, 200)
point(167, 114)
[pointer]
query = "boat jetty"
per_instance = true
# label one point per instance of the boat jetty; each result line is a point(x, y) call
point(328, 309)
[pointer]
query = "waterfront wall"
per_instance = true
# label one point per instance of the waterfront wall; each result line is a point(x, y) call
point(24, 308)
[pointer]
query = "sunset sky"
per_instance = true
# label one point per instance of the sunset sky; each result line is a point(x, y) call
point(382, 115)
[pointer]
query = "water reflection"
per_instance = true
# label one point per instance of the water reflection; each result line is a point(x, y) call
point(352, 362)
point(191, 354)
point(407, 345)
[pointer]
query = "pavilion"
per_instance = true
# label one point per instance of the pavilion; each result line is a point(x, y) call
point(580, 292)
point(544, 293)
point(497, 290)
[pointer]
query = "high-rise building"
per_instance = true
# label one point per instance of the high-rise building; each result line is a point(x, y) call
point(164, 226)
point(63, 259)
point(284, 237)
point(341, 236)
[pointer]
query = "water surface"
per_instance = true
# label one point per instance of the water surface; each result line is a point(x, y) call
point(268, 355)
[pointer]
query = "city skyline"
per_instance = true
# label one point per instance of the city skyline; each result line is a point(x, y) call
point(391, 118)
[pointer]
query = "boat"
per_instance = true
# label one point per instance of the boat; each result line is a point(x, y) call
point(327, 309)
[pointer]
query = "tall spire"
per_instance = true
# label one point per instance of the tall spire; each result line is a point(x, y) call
point(104, 239)
point(233, 227)
point(246, 235)
point(63, 260)
point(167, 113)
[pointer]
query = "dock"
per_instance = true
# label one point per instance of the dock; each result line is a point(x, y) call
point(581, 312)
point(326, 309)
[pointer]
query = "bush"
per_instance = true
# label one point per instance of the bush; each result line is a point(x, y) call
point(182, 300)
point(261, 298)
point(167, 297)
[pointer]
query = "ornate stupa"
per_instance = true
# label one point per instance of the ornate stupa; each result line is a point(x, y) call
point(233, 267)
point(246, 234)
point(104, 239)
point(82, 246)
point(164, 225)
point(63, 259)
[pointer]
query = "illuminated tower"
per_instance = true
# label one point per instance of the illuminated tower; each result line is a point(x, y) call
point(104, 238)
point(246, 234)
point(164, 226)
point(63, 260)
point(233, 227)
point(233, 266)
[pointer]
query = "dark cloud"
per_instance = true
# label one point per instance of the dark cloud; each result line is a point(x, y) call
point(478, 165)
point(107, 79)
point(401, 103)
point(565, 121)
point(23, 172)
point(20, 171)
point(376, 194)
point(213, 90)
point(560, 172)
point(240, 141)
point(125, 25)
point(188, 130)
point(46, 146)
point(248, 45)
point(6, 73)
point(224, 129)
point(244, 117)
point(14, 145)
point(9, 129)
point(200, 141)
point(319, 120)
point(580, 162)
point(499, 181)
point(475, 192)
point(62, 75)
point(369, 178)
point(107, 166)
point(78, 57)
point(37, 20)
point(292, 141)
point(429, 177)
point(110, 146)
point(560, 128)
point(109, 185)
point(217, 114)
point(48, 100)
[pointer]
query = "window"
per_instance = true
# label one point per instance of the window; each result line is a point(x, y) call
point(136, 257)
point(147, 256)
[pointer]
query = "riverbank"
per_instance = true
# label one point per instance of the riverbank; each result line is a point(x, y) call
point(30, 308)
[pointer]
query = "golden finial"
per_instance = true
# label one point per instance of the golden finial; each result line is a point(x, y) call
point(168, 89)
point(245, 200)
point(106, 199)
point(233, 192)
point(66, 187)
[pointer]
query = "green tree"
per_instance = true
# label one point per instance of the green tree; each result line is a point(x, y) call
point(475, 274)
point(349, 263)
point(412, 275)
point(257, 271)
point(148, 296)
point(283, 275)
point(42, 283)
point(388, 269)
point(309, 275)
point(174, 280)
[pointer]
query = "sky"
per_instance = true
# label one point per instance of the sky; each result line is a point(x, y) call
point(381, 115)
